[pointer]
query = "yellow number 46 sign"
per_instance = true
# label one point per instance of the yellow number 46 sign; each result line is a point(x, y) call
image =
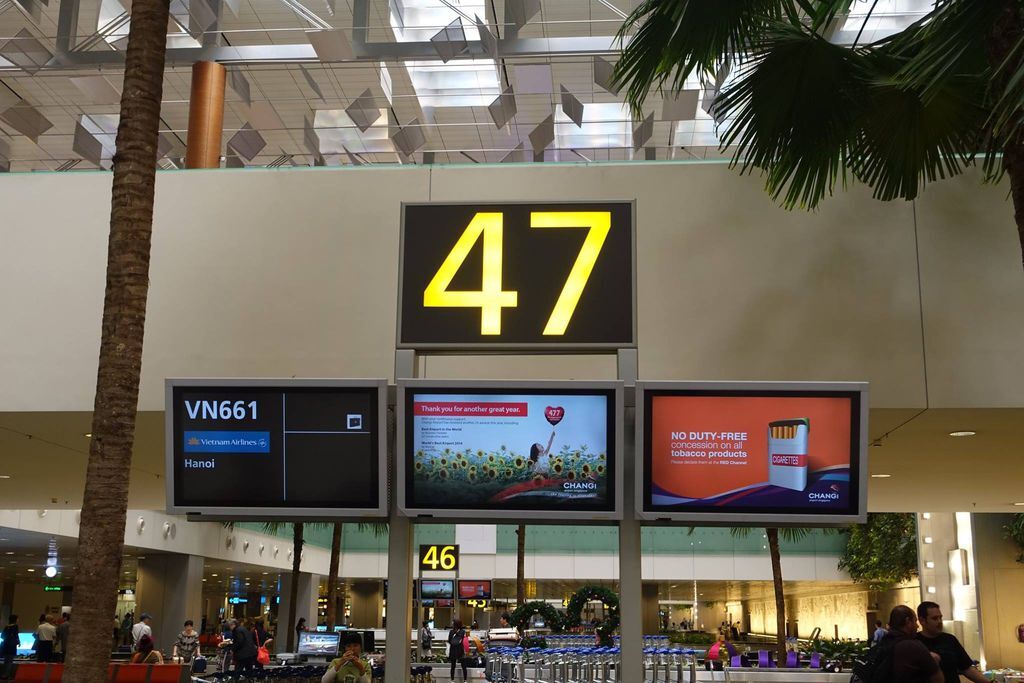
point(439, 558)
point(517, 275)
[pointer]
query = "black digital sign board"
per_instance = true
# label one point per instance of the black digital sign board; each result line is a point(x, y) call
point(265, 449)
point(517, 276)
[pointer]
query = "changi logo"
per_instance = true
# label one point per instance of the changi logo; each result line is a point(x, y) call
point(491, 298)
point(579, 486)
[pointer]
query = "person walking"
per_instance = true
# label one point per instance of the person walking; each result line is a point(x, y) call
point(63, 630)
point(879, 632)
point(146, 653)
point(46, 635)
point(141, 629)
point(243, 647)
point(457, 649)
point(954, 661)
point(300, 626)
point(187, 644)
point(426, 639)
point(9, 646)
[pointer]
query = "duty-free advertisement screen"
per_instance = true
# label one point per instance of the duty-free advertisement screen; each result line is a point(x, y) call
point(792, 452)
point(494, 449)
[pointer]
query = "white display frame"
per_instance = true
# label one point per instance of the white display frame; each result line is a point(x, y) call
point(739, 518)
point(255, 512)
point(509, 516)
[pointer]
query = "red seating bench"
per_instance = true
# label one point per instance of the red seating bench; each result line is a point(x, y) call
point(31, 672)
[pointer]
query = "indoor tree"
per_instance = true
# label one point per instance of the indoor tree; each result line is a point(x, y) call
point(105, 499)
point(521, 565)
point(378, 529)
point(882, 553)
point(807, 113)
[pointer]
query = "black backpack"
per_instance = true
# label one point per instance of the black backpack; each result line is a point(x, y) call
point(875, 666)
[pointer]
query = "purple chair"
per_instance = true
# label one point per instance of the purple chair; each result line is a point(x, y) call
point(792, 660)
point(764, 660)
point(815, 660)
point(736, 662)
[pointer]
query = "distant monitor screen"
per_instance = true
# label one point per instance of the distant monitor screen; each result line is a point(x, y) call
point(787, 452)
point(469, 590)
point(436, 589)
point(25, 643)
point(276, 447)
point(318, 644)
point(490, 449)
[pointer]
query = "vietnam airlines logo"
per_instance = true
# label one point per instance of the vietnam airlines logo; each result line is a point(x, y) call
point(193, 441)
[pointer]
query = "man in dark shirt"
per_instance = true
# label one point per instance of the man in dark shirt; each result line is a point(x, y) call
point(953, 658)
point(905, 657)
point(243, 646)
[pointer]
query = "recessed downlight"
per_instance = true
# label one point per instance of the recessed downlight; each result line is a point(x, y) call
point(5, 476)
point(963, 432)
point(87, 435)
point(881, 476)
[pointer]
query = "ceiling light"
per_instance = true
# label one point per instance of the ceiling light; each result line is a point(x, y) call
point(30, 569)
point(264, 573)
point(881, 476)
point(926, 515)
point(87, 435)
point(931, 589)
point(929, 564)
point(965, 432)
point(51, 571)
point(213, 575)
point(927, 539)
point(1017, 504)
point(5, 476)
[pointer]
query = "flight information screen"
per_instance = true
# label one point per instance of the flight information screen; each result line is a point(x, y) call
point(275, 448)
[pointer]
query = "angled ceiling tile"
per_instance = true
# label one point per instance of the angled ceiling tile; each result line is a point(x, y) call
point(572, 107)
point(312, 83)
point(503, 108)
point(201, 17)
point(309, 136)
point(97, 88)
point(27, 120)
point(25, 52)
point(409, 138)
point(515, 154)
point(707, 102)
point(247, 142)
point(85, 145)
point(240, 84)
point(8, 98)
point(450, 41)
point(487, 39)
point(680, 107)
point(364, 111)
point(603, 70)
point(643, 132)
point(331, 46)
point(519, 12)
point(543, 135)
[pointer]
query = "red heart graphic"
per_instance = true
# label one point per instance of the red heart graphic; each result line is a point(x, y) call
point(554, 415)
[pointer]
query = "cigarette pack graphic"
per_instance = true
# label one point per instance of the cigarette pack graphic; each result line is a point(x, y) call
point(787, 453)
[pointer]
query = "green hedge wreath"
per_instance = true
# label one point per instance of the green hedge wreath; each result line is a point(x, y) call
point(520, 618)
point(608, 598)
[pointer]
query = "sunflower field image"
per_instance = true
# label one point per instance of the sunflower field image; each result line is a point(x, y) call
point(510, 451)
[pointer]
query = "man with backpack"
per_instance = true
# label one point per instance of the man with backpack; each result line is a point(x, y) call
point(900, 657)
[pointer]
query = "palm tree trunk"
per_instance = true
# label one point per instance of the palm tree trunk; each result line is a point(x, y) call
point(780, 596)
point(105, 499)
point(521, 564)
point(1006, 34)
point(293, 589)
point(332, 579)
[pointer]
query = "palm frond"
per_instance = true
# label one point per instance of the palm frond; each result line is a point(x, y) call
point(379, 529)
point(794, 113)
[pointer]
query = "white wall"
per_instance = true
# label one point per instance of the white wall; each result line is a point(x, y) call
point(283, 273)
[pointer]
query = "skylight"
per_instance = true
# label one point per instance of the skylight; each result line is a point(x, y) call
point(605, 124)
point(459, 83)
point(337, 132)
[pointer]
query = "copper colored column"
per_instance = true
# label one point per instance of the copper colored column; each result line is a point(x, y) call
point(205, 115)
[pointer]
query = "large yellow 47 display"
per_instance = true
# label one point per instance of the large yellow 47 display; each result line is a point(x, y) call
point(533, 275)
point(490, 299)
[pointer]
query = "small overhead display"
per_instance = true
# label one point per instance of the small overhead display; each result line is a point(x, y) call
point(473, 590)
point(544, 451)
point(437, 589)
point(271, 449)
point(750, 453)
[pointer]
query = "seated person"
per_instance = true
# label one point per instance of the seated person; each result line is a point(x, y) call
point(146, 654)
point(352, 666)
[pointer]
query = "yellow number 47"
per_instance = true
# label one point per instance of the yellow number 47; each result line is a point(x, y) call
point(491, 298)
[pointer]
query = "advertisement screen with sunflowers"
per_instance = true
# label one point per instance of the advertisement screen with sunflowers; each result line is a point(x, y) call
point(489, 450)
